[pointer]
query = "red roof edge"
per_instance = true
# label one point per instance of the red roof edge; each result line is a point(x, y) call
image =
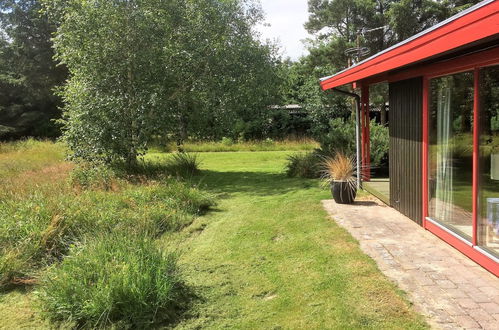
point(478, 22)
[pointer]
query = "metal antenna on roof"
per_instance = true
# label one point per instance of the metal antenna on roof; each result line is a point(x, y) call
point(355, 53)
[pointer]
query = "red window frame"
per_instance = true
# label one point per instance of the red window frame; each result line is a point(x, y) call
point(468, 63)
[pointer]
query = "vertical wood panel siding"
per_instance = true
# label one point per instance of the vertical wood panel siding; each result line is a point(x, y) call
point(406, 147)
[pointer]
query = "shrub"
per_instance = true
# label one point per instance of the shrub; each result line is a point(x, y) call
point(303, 165)
point(183, 164)
point(380, 142)
point(341, 138)
point(116, 280)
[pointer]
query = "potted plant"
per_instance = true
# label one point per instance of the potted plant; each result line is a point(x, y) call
point(339, 173)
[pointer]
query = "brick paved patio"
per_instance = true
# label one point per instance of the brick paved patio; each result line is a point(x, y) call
point(450, 289)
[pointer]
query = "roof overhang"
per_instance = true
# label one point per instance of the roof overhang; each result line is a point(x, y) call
point(479, 22)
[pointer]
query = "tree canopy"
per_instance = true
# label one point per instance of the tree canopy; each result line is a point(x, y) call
point(140, 68)
point(28, 73)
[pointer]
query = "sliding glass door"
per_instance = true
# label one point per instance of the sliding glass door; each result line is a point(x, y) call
point(450, 151)
point(488, 219)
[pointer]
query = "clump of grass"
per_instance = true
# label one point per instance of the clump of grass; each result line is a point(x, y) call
point(116, 280)
point(303, 165)
point(340, 167)
point(182, 164)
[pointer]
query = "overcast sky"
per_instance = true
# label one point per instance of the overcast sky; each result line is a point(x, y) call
point(286, 19)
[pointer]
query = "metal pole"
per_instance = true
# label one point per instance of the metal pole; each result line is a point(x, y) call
point(357, 131)
point(357, 136)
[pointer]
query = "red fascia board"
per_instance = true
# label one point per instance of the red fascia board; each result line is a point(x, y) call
point(474, 26)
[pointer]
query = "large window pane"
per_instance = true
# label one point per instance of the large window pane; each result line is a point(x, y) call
point(450, 152)
point(488, 220)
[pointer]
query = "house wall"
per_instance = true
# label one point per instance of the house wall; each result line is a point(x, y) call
point(405, 129)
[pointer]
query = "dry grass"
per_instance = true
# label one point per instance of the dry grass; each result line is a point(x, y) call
point(340, 167)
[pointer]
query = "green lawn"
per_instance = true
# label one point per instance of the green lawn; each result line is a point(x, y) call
point(270, 257)
point(267, 257)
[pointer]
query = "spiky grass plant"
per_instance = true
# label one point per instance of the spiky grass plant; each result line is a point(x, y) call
point(303, 165)
point(339, 167)
point(183, 164)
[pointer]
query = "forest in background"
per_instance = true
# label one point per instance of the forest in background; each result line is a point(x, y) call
point(213, 78)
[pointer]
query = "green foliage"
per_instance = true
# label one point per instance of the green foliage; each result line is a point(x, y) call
point(28, 72)
point(183, 69)
point(183, 164)
point(227, 141)
point(304, 165)
point(380, 144)
point(114, 280)
point(341, 138)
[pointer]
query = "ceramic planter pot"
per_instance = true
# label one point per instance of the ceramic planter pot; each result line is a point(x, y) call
point(343, 192)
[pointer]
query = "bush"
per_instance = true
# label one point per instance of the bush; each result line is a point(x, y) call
point(341, 138)
point(116, 280)
point(303, 165)
point(183, 164)
point(380, 142)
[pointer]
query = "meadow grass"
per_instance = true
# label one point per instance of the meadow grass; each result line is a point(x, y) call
point(133, 284)
point(267, 257)
point(228, 145)
point(47, 206)
point(28, 155)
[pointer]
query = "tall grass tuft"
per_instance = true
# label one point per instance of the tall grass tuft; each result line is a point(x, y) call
point(117, 280)
point(182, 164)
point(340, 167)
point(303, 165)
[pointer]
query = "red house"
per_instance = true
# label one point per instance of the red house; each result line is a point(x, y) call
point(444, 128)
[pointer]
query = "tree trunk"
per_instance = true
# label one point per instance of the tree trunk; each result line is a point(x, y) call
point(183, 127)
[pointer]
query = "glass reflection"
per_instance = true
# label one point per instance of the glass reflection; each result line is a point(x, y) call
point(488, 220)
point(450, 152)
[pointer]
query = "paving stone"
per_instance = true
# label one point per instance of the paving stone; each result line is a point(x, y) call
point(493, 325)
point(489, 290)
point(491, 308)
point(456, 293)
point(446, 284)
point(443, 284)
point(467, 303)
point(481, 315)
point(467, 322)
point(479, 297)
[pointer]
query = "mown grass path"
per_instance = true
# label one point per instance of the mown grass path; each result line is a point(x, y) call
point(269, 257)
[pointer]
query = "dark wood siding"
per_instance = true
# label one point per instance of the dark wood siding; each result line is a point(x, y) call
point(406, 147)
